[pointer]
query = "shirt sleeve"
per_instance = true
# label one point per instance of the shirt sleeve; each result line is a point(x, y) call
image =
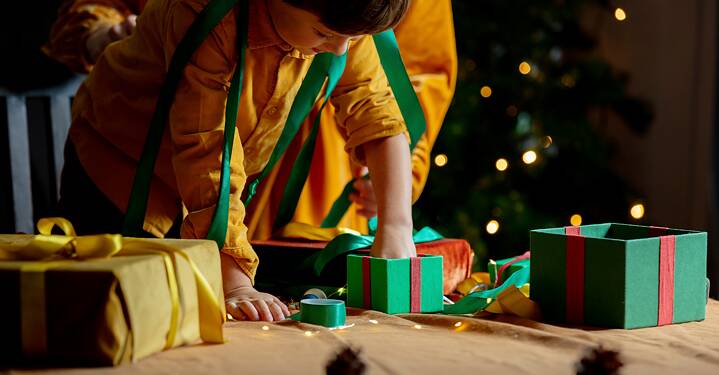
point(365, 107)
point(77, 20)
point(197, 121)
point(427, 45)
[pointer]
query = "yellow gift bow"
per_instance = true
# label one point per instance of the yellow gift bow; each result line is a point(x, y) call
point(55, 250)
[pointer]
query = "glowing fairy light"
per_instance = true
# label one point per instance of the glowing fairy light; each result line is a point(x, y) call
point(417, 326)
point(492, 227)
point(265, 328)
point(620, 14)
point(525, 68)
point(485, 91)
point(576, 220)
point(637, 211)
point(458, 324)
point(502, 164)
point(440, 160)
point(529, 157)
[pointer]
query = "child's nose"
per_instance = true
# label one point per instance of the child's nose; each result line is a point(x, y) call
point(339, 46)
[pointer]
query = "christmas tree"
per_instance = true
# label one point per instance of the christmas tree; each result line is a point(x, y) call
point(523, 145)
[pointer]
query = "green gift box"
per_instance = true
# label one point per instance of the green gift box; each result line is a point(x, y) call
point(619, 275)
point(506, 267)
point(395, 286)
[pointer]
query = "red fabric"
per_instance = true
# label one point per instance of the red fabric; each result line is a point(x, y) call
point(667, 249)
point(575, 275)
point(415, 285)
point(366, 283)
point(506, 265)
point(457, 260)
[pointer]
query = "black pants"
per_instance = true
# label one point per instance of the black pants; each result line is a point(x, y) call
point(89, 210)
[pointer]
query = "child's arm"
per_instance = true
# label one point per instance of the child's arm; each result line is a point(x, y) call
point(196, 129)
point(388, 160)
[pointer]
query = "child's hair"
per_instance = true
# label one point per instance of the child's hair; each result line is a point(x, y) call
point(355, 17)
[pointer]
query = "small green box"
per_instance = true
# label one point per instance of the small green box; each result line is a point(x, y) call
point(619, 275)
point(395, 286)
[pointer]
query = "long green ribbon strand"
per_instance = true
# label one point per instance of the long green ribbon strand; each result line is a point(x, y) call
point(301, 166)
point(218, 227)
point(322, 65)
point(399, 81)
point(196, 34)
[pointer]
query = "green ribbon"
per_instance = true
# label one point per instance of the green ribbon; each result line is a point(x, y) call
point(477, 301)
point(323, 65)
point(301, 167)
point(346, 243)
point(329, 313)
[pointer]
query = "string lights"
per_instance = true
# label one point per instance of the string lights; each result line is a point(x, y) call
point(485, 91)
point(502, 164)
point(440, 160)
point(620, 14)
point(492, 227)
point(576, 220)
point(637, 211)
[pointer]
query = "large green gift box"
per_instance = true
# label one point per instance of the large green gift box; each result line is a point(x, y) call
point(619, 275)
point(108, 309)
point(395, 286)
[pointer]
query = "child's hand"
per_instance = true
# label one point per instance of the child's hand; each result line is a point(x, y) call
point(246, 303)
point(243, 301)
point(393, 242)
point(106, 34)
point(364, 196)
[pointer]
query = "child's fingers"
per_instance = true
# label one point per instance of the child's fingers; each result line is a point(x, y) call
point(249, 310)
point(277, 313)
point(364, 203)
point(284, 308)
point(235, 311)
point(263, 309)
point(363, 187)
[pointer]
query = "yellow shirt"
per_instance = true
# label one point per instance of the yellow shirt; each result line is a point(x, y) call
point(113, 107)
point(427, 45)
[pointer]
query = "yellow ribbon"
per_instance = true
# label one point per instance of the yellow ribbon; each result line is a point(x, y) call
point(55, 250)
point(312, 233)
point(515, 301)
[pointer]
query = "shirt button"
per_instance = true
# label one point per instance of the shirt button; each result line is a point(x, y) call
point(272, 110)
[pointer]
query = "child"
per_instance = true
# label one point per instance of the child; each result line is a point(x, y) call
point(113, 107)
point(426, 39)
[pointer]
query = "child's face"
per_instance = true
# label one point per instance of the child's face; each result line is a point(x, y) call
point(304, 31)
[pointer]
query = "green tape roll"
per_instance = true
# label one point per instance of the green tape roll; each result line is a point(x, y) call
point(329, 313)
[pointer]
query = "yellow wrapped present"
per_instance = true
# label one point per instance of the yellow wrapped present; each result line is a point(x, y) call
point(105, 299)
